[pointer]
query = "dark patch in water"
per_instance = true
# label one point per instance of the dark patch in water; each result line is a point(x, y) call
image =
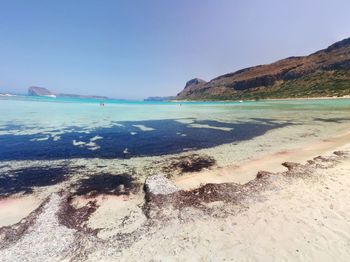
point(191, 163)
point(25, 179)
point(168, 137)
point(106, 184)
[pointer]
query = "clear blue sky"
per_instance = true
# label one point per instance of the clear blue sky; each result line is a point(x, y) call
point(135, 49)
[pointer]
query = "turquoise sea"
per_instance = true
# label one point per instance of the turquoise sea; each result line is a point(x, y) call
point(139, 137)
point(46, 128)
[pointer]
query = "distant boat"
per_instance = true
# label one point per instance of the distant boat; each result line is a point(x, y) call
point(241, 101)
point(53, 96)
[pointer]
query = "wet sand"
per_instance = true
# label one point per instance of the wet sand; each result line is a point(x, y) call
point(247, 170)
point(13, 209)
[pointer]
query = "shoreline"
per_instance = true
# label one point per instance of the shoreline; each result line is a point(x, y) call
point(268, 99)
point(241, 174)
point(246, 171)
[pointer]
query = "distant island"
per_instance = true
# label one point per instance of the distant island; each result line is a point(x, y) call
point(325, 73)
point(41, 91)
point(160, 98)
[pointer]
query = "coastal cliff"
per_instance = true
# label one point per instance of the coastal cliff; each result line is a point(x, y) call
point(324, 73)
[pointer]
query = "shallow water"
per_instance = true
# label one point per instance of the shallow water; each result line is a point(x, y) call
point(137, 134)
point(47, 128)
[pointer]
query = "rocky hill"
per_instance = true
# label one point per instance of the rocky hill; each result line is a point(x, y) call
point(324, 73)
point(41, 91)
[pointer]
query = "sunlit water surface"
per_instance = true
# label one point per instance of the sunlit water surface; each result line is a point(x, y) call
point(138, 134)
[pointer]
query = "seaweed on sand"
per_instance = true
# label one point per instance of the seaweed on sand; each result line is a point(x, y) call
point(75, 218)
point(233, 193)
point(106, 184)
point(189, 163)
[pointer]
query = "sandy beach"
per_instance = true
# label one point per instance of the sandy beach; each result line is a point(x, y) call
point(290, 212)
point(302, 218)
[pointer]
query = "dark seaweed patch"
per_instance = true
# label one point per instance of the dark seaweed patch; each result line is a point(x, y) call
point(76, 217)
point(106, 184)
point(190, 163)
point(25, 179)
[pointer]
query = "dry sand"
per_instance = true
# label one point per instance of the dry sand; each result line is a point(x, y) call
point(301, 220)
point(13, 209)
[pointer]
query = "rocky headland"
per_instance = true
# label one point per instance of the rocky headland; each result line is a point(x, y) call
point(325, 73)
point(41, 91)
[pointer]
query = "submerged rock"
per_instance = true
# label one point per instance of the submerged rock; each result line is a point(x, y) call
point(159, 185)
